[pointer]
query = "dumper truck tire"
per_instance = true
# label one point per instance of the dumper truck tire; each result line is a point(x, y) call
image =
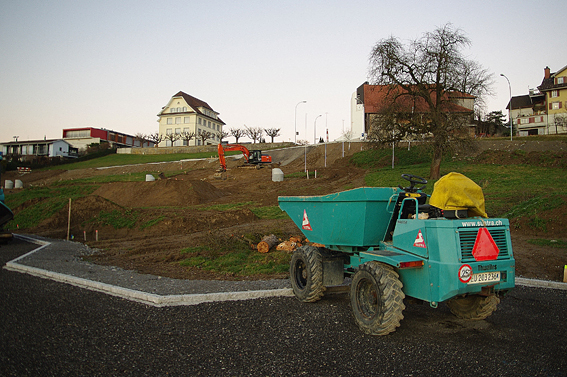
point(377, 298)
point(306, 274)
point(473, 307)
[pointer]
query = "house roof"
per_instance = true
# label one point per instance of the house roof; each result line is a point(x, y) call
point(195, 104)
point(525, 101)
point(26, 142)
point(375, 100)
point(549, 83)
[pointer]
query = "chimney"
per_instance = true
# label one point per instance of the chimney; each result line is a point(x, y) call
point(547, 73)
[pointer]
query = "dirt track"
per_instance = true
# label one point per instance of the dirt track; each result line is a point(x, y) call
point(179, 203)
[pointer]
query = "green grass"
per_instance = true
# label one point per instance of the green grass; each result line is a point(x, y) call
point(509, 191)
point(132, 159)
point(130, 177)
point(150, 223)
point(50, 200)
point(118, 219)
point(269, 212)
point(231, 255)
point(549, 243)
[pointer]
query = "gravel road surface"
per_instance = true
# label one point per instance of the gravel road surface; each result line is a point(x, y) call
point(49, 328)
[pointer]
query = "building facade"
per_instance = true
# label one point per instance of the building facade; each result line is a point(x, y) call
point(32, 149)
point(80, 138)
point(371, 100)
point(185, 114)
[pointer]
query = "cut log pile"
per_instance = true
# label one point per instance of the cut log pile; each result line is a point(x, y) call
point(271, 241)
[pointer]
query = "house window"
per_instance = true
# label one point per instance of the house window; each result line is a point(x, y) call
point(168, 131)
point(169, 120)
point(184, 109)
point(554, 93)
point(186, 120)
point(209, 125)
point(178, 131)
point(186, 130)
point(561, 80)
point(524, 120)
point(199, 120)
point(172, 110)
point(555, 105)
point(177, 120)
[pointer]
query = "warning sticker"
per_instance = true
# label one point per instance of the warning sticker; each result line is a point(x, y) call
point(419, 241)
point(305, 225)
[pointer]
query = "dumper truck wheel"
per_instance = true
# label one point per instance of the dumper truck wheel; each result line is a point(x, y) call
point(377, 299)
point(306, 274)
point(473, 307)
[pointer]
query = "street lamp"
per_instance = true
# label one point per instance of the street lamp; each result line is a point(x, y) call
point(510, 109)
point(295, 120)
point(315, 129)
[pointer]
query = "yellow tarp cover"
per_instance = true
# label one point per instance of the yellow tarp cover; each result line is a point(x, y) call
point(455, 191)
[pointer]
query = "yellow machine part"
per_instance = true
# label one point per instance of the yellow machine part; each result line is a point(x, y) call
point(454, 191)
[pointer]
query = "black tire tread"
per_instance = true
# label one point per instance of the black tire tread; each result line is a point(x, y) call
point(314, 288)
point(473, 307)
point(391, 299)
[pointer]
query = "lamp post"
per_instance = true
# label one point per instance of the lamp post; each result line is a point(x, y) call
point(315, 130)
point(510, 109)
point(295, 120)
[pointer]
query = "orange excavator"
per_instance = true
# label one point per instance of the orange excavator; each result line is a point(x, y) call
point(253, 157)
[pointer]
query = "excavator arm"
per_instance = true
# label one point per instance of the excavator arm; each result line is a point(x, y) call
point(231, 147)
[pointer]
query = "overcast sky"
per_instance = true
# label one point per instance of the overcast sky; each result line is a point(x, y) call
point(115, 64)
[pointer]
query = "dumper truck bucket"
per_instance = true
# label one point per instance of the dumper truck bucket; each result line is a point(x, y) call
point(354, 218)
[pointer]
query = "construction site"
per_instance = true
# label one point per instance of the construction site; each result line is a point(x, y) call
point(188, 207)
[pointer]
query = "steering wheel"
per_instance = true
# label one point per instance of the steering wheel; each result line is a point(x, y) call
point(413, 180)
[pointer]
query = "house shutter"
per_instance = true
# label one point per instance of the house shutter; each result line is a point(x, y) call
point(550, 106)
point(560, 103)
point(532, 120)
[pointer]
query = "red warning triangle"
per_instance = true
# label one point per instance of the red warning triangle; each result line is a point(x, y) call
point(484, 247)
point(305, 225)
point(419, 241)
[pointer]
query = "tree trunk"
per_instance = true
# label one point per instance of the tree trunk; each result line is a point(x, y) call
point(435, 170)
point(267, 243)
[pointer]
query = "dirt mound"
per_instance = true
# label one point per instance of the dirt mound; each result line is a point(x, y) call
point(161, 193)
point(83, 210)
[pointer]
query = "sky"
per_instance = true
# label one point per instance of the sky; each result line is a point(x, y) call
point(115, 64)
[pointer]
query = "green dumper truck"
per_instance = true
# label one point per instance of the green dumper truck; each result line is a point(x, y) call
point(395, 243)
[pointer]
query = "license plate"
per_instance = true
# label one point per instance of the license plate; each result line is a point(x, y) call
point(485, 277)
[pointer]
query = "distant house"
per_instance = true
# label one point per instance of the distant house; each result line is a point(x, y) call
point(554, 87)
point(186, 114)
point(529, 114)
point(544, 110)
point(370, 101)
point(32, 149)
point(81, 138)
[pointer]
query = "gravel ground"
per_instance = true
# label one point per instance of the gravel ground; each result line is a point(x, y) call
point(53, 329)
point(65, 257)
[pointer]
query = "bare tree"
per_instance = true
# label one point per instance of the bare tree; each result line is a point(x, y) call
point(272, 132)
point(237, 133)
point(254, 133)
point(559, 121)
point(204, 136)
point(425, 83)
point(187, 136)
point(223, 135)
point(172, 137)
point(141, 138)
point(156, 138)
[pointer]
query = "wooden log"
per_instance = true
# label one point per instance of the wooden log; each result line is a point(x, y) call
point(267, 243)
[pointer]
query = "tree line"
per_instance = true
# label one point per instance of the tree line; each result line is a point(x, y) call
point(254, 133)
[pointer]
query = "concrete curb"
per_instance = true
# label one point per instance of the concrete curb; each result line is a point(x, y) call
point(187, 299)
point(134, 295)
